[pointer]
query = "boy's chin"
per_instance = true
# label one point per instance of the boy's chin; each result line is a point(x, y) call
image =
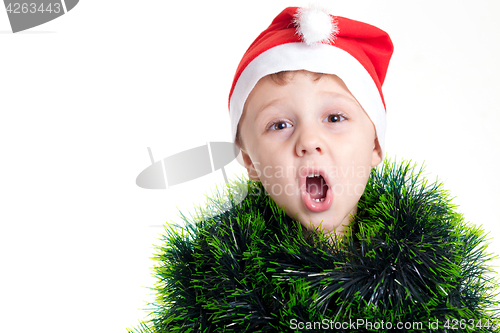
point(325, 227)
point(325, 222)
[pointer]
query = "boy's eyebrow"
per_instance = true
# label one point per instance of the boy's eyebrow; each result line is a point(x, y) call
point(271, 103)
point(347, 98)
point(342, 96)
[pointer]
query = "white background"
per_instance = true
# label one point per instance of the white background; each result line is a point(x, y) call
point(83, 96)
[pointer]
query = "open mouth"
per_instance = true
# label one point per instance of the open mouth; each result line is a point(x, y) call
point(316, 193)
point(316, 187)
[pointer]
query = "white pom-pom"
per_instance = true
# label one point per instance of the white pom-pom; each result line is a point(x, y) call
point(314, 25)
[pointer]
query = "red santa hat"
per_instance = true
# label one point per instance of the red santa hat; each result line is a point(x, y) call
point(313, 40)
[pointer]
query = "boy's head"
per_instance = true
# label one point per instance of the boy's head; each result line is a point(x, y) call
point(312, 138)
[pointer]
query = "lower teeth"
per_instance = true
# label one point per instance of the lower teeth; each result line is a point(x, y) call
point(319, 200)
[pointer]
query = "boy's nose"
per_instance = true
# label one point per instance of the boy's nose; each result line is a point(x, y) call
point(309, 142)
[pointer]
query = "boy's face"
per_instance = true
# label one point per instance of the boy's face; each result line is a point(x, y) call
point(311, 145)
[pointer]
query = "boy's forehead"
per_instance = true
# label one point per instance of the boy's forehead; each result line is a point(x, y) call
point(269, 97)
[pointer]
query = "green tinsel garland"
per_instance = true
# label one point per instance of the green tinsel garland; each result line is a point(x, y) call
point(409, 257)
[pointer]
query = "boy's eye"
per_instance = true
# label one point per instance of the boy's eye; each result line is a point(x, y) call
point(280, 125)
point(334, 118)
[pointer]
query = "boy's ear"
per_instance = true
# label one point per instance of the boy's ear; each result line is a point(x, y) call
point(247, 161)
point(377, 153)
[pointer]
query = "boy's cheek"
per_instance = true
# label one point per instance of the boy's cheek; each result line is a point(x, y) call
point(350, 189)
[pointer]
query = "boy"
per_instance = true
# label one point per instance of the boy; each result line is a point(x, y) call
point(311, 145)
point(345, 149)
point(308, 114)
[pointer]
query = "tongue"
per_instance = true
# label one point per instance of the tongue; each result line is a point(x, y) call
point(316, 187)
